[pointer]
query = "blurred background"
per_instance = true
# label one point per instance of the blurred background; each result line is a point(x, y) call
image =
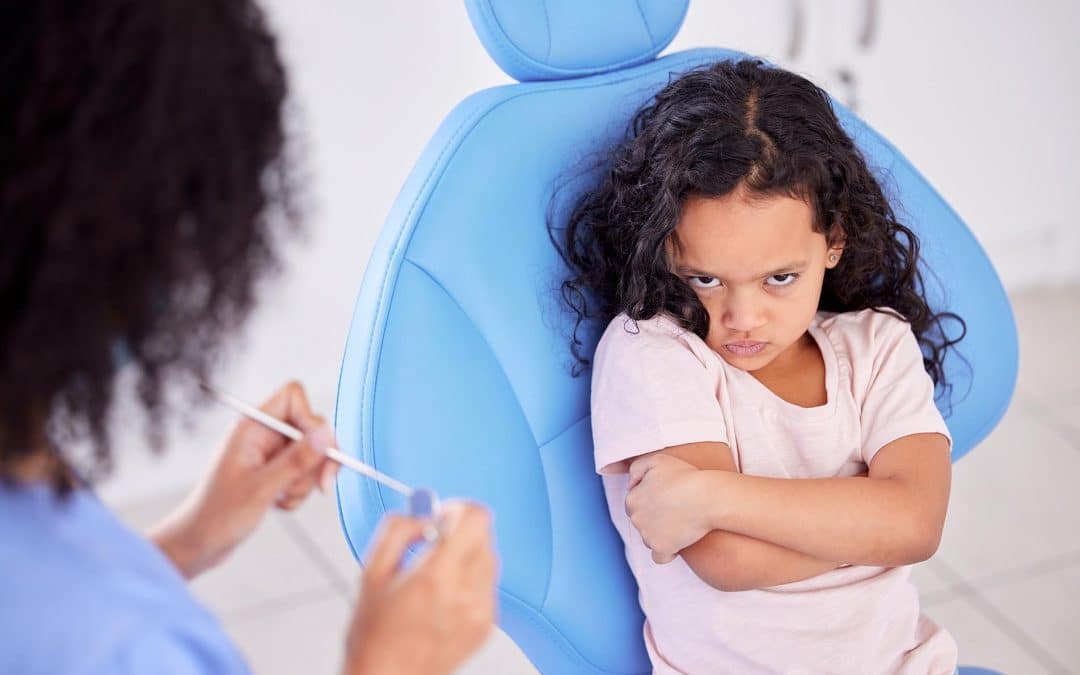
point(981, 96)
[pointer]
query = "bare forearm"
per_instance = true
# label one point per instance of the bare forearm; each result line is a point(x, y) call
point(734, 562)
point(863, 521)
point(180, 543)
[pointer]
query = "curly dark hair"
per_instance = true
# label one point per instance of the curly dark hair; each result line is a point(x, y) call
point(142, 171)
point(708, 132)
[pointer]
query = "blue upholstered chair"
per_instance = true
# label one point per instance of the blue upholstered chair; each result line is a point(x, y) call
point(456, 374)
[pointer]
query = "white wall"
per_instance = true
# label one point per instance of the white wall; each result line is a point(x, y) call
point(981, 96)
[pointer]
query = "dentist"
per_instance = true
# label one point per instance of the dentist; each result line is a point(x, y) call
point(140, 164)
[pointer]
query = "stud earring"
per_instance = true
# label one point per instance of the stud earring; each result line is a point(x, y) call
point(832, 257)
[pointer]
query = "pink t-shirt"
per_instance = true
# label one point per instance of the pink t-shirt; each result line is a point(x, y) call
point(656, 385)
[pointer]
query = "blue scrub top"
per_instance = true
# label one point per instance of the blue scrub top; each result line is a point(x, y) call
point(81, 593)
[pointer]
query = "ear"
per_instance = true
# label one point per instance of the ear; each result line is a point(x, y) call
point(836, 240)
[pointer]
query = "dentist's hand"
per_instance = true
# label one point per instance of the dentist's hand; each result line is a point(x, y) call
point(257, 469)
point(428, 618)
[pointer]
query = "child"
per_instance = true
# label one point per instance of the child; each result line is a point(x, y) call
point(763, 415)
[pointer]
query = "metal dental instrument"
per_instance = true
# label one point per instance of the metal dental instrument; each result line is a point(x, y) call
point(423, 503)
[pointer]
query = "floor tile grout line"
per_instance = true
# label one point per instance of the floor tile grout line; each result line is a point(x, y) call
point(315, 553)
point(1022, 396)
point(1011, 576)
point(1004, 623)
point(931, 600)
point(1037, 395)
point(1048, 416)
point(258, 610)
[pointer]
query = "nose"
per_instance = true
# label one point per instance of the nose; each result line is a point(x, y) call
point(743, 313)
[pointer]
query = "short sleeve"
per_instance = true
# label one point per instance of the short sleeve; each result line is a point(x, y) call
point(899, 399)
point(173, 651)
point(650, 391)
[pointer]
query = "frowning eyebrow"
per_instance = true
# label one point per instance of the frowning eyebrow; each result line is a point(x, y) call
point(796, 266)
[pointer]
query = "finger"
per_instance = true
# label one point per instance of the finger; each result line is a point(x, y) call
point(278, 403)
point(638, 469)
point(296, 461)
point(278, 406)
point(288, 504)
point(469, 558)
point(662, 558)
point(296, 493)
point(632, 506)
point(465, 529)
point(300, 489)
point(478, 546)
point(479, 581)
point(328, 476)
point(300, 415)
point(483, 569)
point(290, 403)
point(322, 477)
point(472, 527)
point(394, 536)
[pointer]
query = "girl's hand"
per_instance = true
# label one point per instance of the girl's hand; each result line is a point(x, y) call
point(666, 503)
point(256, 469)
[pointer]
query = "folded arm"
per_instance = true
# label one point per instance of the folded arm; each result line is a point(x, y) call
point(892, 517)
point(735, 562)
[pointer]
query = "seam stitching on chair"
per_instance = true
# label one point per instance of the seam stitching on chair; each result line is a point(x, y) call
point(532, 65)
point(521, 410)
point(442, 287)
point(540, 450)
point(547, 25)
point(506, 45)
point(393, 269)
point(541, 620)
point(562, 431)
point(648, 29)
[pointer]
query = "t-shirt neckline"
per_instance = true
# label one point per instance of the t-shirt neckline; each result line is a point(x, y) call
point(789, 409)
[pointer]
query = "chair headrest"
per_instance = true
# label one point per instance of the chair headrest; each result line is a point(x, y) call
point(565, 39)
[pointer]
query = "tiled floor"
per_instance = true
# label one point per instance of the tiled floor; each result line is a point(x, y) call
point(1006, 581)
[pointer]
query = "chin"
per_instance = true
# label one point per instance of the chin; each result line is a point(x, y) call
point(746, 363)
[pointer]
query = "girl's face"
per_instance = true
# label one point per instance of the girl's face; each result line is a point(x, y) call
point(757, 266)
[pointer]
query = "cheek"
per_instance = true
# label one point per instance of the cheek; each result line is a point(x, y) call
point(804, 302)
point(713, 305)
point(793, 308)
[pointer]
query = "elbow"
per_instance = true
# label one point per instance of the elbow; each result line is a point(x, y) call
point(723, 579)
point(921, 541)
point(717, 564)
point(732, 577)
point(926, 546)
point(733, 585)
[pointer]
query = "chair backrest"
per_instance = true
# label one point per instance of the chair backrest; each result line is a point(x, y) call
point(456, 373)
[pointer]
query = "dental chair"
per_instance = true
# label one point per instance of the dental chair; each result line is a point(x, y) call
point(457, 371)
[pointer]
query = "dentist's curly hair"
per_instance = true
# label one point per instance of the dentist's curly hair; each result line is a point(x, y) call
point(141, 169)
point(709, 132)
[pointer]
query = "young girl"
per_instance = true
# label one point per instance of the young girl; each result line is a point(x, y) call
point(763, 415)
